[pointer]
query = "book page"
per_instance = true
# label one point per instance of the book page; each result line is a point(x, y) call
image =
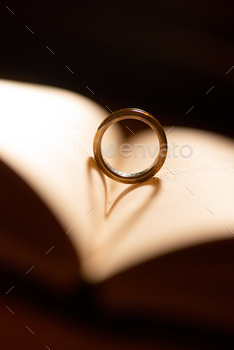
point(189, 202)
point(46, 136)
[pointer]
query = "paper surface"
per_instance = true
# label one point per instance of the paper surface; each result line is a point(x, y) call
point(46, 136)
point(190, 201)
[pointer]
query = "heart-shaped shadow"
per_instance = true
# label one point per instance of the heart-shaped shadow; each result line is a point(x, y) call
point(154, 183)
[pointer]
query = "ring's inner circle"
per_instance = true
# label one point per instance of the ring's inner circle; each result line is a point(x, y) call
point(129, 147)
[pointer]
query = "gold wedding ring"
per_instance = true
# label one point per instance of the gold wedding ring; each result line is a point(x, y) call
point(138, 114)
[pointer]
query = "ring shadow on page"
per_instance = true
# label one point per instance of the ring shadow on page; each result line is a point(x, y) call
point(154, 183)
point(122, 228)
point(92, 166)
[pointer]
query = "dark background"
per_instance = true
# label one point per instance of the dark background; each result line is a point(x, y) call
point(161, 56)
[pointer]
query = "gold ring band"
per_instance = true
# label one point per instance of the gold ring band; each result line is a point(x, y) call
point(130, 113)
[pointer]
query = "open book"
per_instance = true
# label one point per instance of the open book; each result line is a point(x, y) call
point(162, 249)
